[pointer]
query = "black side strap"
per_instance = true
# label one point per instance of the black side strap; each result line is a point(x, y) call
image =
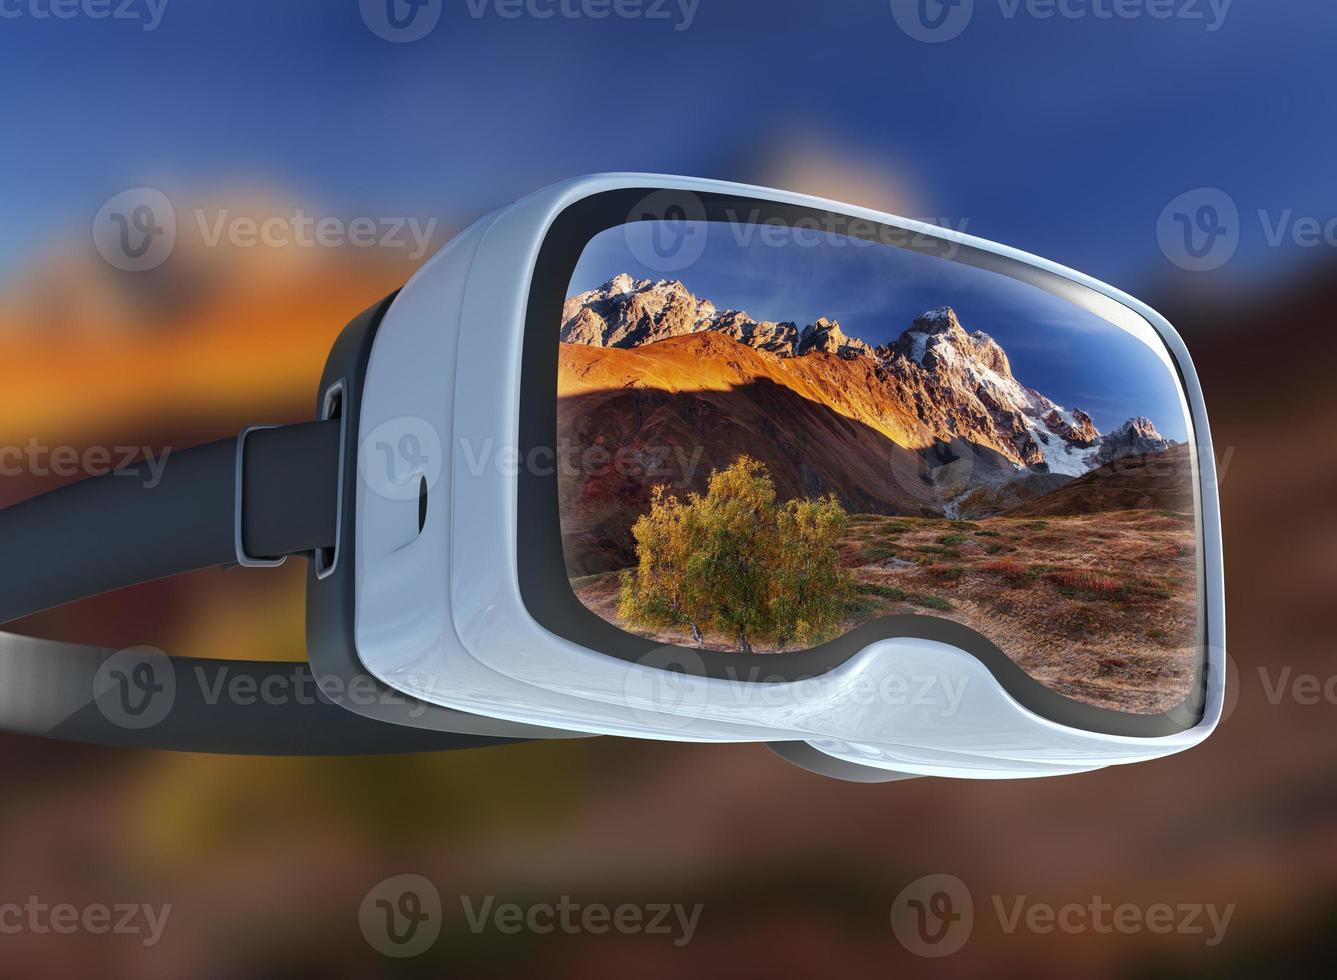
point(112, 531)
point(144, 699)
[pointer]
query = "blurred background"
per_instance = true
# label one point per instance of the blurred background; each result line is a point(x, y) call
point(1178, 150)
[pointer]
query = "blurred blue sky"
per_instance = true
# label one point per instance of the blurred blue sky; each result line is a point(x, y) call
point(1063, 137)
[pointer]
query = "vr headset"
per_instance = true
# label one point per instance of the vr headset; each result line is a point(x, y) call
point(669, 458)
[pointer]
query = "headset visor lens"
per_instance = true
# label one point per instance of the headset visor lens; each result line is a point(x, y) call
point(770, 435)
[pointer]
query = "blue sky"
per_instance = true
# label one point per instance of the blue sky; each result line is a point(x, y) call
point(876, 291)
point(1063, 137)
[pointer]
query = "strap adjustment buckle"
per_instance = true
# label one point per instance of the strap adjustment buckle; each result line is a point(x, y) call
point(243, 559)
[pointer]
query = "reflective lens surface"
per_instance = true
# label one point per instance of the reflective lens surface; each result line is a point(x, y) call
point(790, 433)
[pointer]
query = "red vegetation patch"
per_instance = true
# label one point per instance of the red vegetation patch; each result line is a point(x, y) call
point(1009, 568)
point(1088, 582)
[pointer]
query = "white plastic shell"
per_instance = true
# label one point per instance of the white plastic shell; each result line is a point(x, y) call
point(440, 614)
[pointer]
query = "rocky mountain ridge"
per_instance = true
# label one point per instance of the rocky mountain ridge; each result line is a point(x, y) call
point(936, 383)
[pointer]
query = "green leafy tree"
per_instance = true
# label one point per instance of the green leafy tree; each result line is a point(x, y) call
point(809, 592)
point(661, 591)
point(736, 561)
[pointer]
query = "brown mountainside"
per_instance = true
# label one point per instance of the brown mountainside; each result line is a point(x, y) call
point(676, 409)
point(1150, 481)
point(935, 382)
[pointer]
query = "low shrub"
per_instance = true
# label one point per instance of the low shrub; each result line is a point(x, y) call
point(1176, 516)
point(878, 552)
point(1010, 569)
point(879, 591)
point(1145, 588)
point(933, 549)
point(1086, 583)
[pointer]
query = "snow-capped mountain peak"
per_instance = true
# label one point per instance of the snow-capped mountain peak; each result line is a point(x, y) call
point(1135, 437)
point(957, 384)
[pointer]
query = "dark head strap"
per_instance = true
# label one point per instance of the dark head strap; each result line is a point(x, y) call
point(112, 531)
